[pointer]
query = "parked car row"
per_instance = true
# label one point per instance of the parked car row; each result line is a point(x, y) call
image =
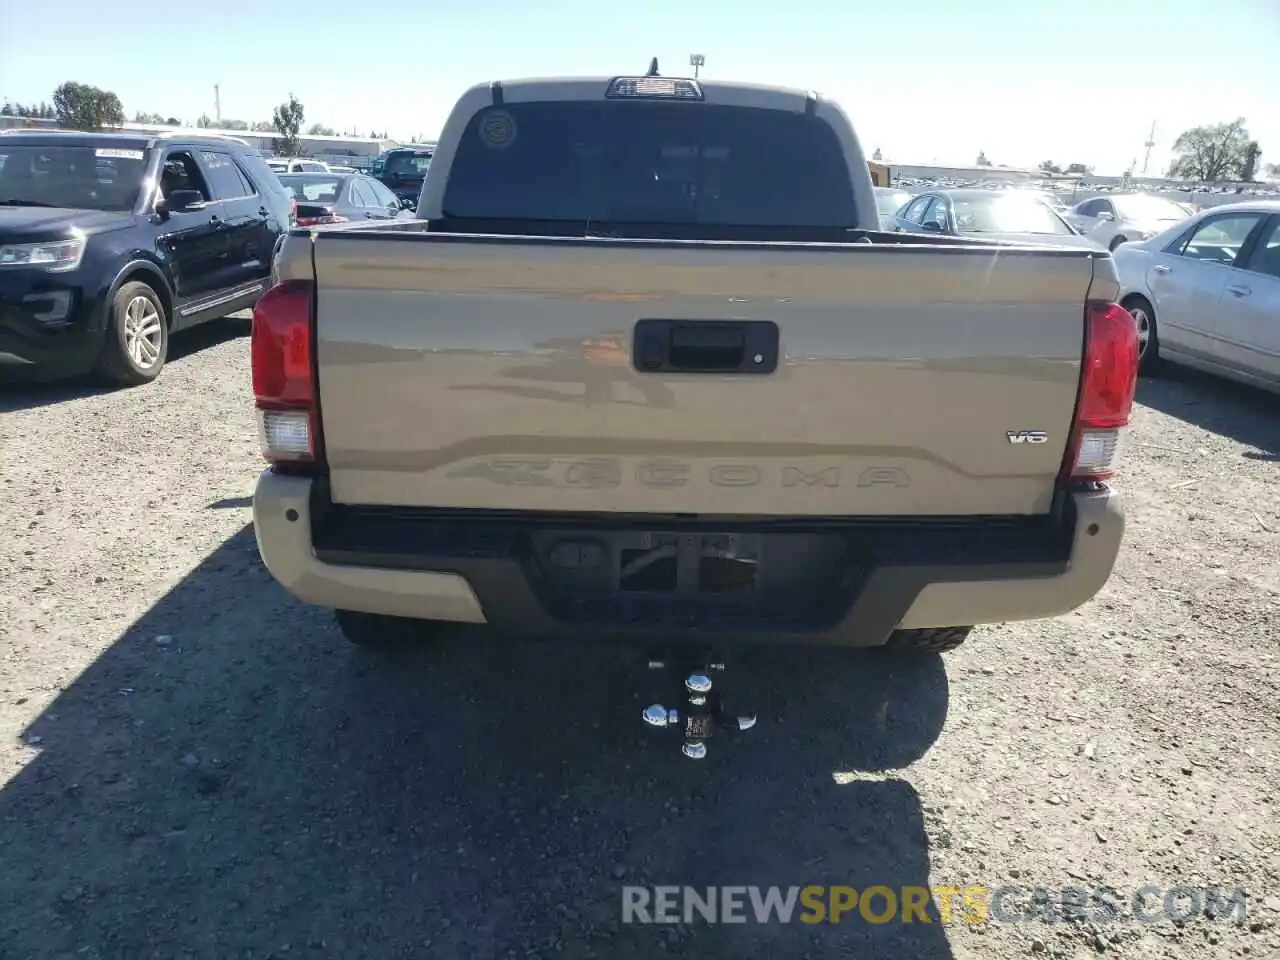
point(1136, 216)
point(1205, 292)
point(324, 198)
point(992, 214)
point(110, 242)
point(1203, 288)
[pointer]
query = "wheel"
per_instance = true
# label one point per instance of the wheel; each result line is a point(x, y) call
point(377, 631)
point(137, 341)
point(928, 640)
point(1148, 343)
point(1116, 241)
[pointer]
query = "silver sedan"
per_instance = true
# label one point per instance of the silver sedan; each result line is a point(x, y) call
point(1206, 293)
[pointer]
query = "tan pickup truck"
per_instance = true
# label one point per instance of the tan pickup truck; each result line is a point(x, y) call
point(645, 366)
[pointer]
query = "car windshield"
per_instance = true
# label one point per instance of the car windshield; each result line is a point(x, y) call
point(313, 188)
point(1148, 208)
point(615, 162)
point(75, 177)
point(407, 166)
point(1006, 215)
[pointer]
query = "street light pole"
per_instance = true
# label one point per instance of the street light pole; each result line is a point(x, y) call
point(697, 61)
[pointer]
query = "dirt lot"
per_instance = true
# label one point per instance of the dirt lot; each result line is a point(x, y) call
point(195, 766)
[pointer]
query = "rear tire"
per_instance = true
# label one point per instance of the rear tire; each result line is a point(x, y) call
point(137, 340)
point(376, 631)
point(1148, 341)
point(928, 639)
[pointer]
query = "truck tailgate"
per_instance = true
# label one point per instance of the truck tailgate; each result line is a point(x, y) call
point(501, 373)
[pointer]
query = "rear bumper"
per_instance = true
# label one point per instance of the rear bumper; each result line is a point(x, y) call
point(493, 570)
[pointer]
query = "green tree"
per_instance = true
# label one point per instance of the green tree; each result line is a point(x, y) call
point(79, 106)
point(287, 119)
point(982, 159)
point(1249, 164)
point(204, 123)
point(1049, 166)
point(1212, 153)
point(320, 130)
point(234, 125)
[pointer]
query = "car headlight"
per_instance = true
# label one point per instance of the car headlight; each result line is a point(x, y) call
point(55, 256)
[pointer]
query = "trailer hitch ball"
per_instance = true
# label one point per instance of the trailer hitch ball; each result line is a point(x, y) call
point(703, 714)
point(698, 683)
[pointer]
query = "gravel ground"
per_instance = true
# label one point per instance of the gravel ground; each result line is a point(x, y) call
point(196, 766)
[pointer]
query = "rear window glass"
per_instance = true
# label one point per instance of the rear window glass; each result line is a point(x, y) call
point(409, 165)
point(646, 162)
point(312, 189)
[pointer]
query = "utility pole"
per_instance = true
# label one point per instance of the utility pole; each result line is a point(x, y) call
point(697, 61)
point(217, 105)
point(1151, 142)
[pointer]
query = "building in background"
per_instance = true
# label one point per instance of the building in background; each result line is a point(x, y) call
point(358, 152)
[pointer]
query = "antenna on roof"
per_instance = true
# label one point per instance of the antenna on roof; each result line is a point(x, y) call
point(653, 68)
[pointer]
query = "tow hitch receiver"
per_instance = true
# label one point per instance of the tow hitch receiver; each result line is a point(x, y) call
point(703, 713)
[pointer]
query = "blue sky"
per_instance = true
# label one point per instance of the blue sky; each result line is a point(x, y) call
point(924, 80)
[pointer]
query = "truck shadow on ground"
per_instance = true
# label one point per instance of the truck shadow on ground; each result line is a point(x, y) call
point(1233, 410)
point(229, 779)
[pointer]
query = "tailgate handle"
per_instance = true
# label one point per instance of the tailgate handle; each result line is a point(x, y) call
point(706, 346)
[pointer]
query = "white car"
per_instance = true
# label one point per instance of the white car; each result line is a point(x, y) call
point(1206, 293)
point(283, 165)
point(1119, 219)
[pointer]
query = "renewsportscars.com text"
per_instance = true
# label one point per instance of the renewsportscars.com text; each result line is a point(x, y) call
point(971, 903)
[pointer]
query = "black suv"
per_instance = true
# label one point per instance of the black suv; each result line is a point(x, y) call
point(404, 169)
point(110, 242)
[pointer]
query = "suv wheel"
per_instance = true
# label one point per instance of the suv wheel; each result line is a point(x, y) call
point(137, 341)
point(928, 640)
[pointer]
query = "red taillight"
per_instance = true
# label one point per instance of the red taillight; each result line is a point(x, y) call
point(284, 373)
point(293, 210)
point(1108, 381)
point(316, 221)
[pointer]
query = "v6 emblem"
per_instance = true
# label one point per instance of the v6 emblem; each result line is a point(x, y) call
point(1027, 436)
